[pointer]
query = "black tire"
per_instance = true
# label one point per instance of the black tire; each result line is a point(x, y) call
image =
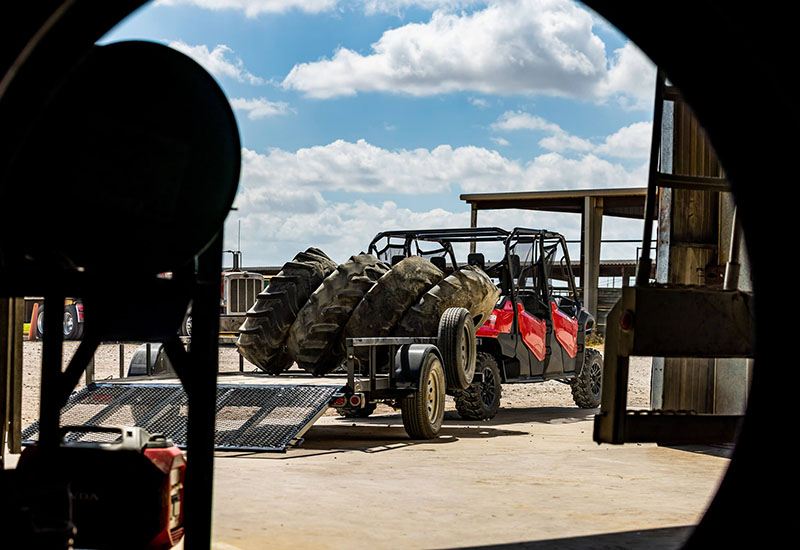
point(388, 300)
point(72, 328)
point(481, 400)
point(423, 410)
point(363, 412)
point(40, 322)
point(469, 287)
point(186, 325)
point(457, 343)
point(262, 336)
point(314, 337)
point(587, 387)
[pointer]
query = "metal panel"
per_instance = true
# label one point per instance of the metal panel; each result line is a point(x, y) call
point(248, 417)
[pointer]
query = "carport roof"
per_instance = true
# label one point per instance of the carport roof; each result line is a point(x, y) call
point(619, 202)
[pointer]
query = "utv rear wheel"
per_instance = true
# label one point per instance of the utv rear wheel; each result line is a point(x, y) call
point(73, 330)
point(481, 400)
point(262, 336)
point(314, 338)
point(469, 287)
point(457, 343)
point(423, 410)
point(588, 385)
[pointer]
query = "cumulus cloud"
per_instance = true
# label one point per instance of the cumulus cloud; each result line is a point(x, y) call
point(284, 206)
point(397, 7)
point(631, 78)
point(513, 47)
point(253, 8)
point(220, 61)
point(360, 167)
point(502, 142)
point(258, 108)
point(478, 102)
point(632, 142)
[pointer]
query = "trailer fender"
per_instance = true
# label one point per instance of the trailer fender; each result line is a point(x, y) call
point(408, 363)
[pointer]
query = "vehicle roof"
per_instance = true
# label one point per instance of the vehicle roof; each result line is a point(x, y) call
point(468, 234)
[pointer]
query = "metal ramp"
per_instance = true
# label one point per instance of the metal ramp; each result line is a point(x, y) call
point(252, 417)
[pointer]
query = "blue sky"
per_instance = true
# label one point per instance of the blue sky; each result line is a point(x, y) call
point(358, 116)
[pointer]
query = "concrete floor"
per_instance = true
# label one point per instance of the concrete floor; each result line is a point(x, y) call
point(531, 474)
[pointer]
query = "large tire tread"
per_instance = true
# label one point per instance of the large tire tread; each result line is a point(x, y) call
point(262, 336)
point(314, 337)
point(582, 393)
point(468, 287)
point(469, 402)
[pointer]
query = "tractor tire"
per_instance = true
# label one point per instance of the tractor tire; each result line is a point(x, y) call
point(481, 400)
point(469, 287)
point(314, 338)
point(587, 387)
point(363, 412)
point(423, 410)
point(385, 303)
point(457, 343)
point(262, 336)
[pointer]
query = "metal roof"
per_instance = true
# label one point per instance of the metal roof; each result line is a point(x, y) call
point(618, 202)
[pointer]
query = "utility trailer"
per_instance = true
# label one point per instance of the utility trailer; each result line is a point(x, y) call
point(259, 412)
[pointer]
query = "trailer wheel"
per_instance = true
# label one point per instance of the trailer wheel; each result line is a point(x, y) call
point(469, 287)
point(481, 400)
point(262, 336)
point(457, 344)
point(315, 336)
point(588, 385)
point(423, 410)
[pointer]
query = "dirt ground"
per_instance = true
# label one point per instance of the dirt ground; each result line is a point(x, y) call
point(549, 394)
point(530, 476)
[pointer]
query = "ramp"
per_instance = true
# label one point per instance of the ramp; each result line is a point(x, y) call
point(250, 417)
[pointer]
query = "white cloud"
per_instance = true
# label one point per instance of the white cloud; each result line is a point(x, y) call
point(253, 8)
point(628, 142)
point(510, 47)
point(520, 120)
point(220, 61)
point(632, 142)
point(260, 107)
point(502, 142)
point(397, 7)
point(360, 167)
point(631, 78)
point(283, 207)
point(478, 102)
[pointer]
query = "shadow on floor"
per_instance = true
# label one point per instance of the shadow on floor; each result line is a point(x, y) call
point(651, 539)
point(517, 415)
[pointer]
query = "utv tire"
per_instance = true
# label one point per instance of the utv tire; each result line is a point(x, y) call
point(469, 287)
point(587, 387)
point(40, 322)
point(314, 338)
point(73, 330)
point(363, 412)
point(423, 410)
point(481, 400)
point(457, 343)
point(385, 303)
point(262, 336)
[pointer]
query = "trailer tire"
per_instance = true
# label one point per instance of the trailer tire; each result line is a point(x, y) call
point(423, 410)
point(363, 412)
point(481, 400)
point(588, 385)
point(262, 336)
point(457, 344)
point(385, 303)
point(468, 287)
point(314, 337)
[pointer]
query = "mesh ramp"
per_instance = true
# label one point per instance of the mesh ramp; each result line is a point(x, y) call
point(249, 417)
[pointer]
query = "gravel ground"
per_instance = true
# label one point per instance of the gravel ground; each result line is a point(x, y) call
point(549, 394)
